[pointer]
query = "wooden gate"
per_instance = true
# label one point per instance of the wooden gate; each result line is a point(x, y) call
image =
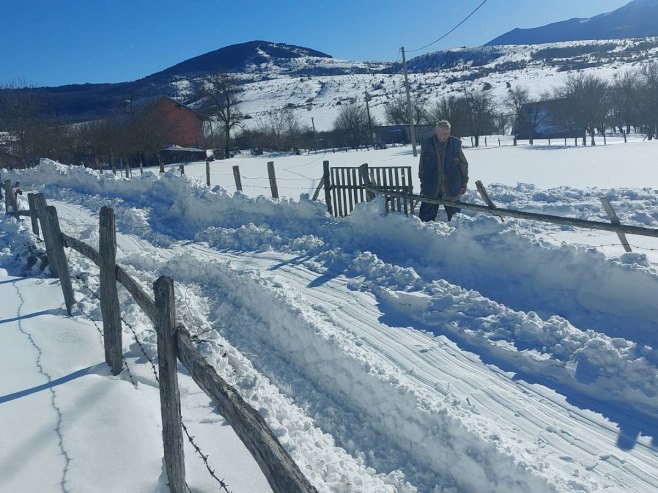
point(344, 188)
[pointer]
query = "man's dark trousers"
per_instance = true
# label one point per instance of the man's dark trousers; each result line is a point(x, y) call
point(428, 211)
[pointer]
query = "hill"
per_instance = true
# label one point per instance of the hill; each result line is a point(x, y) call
point(317, 85)
point(637, 19)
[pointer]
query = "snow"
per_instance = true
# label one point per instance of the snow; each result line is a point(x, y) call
point(279, 84)
point(385, 354)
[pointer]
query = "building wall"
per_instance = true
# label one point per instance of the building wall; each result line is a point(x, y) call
point(183, 124)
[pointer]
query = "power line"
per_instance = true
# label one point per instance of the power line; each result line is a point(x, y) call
point(452, 30)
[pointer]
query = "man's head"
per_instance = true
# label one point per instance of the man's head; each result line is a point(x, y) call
point(442, 130)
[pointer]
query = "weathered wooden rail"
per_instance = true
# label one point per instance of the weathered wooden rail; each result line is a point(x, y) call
point(532, 216)
point(174, 344)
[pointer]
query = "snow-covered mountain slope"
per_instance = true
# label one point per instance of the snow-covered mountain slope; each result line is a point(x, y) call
point(636, 19)
point(317, 86)
point(391, 355)
point(322, 94)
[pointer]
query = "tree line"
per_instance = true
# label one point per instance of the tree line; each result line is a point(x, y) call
point(584, 105)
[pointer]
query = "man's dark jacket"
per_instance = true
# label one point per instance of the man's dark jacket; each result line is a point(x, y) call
point(430, 182)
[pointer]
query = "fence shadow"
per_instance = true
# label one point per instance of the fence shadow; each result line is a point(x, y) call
point(29, 315)
point(53, 383)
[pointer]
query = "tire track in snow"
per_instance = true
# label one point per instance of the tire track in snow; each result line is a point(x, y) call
point(490, 388)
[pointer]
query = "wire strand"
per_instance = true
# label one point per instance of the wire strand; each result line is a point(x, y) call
point(451, 31)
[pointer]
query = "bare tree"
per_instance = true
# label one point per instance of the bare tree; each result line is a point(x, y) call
point(396, 112)
point(281, 128)
point(352, 126)
point(218, 93)
point(586, 97)
point(22, 110)
point(480, 104)
point(649, 98)
point(455, 110)
point(515, 101)
point(625, 98)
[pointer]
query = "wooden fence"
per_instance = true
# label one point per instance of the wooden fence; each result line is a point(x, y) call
point(344, 187)
point(174, 344)
point(614, 226)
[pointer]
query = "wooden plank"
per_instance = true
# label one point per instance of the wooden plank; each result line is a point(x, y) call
point(326, 180)
point(110, 309)
point(10, 199)
point(282, 473)
point(364, 172)
point(60, 258)
point(405, 201)
point(272, 176)
point(343, 191)
point(387, 186)
point(7, 187)
point(615, 220)
point(485, 196)
point(334, 192)
point(82, 248)
point(143, 300)
point(40, 205)
point(357, 191)
point(350, 192)
point(396, 176)
point(33, 214)
point(237, 178)
point(531, 216)
point(172, 433)
point(316, 194)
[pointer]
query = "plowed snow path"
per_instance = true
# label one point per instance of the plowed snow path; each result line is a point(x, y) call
point(507, 421)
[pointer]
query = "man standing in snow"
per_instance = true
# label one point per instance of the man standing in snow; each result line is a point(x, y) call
point(443, 171)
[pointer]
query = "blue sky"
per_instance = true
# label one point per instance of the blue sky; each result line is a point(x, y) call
point(78, 41)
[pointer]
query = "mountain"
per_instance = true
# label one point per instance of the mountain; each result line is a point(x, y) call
point(637, 19)
point(254, 60)
point(274, 76)
point(239, 58)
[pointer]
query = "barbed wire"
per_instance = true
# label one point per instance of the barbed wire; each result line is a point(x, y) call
point(190, 438)
point(604, 245)
point(100, 331)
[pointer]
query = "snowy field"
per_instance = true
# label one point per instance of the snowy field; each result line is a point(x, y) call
point(387, 355)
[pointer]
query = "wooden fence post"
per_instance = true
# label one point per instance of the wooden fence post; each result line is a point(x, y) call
point(11, 199)
point(326, 179)
point(33, 213)
point(40, 206)
point(272, 177)
point(615, 220)
point(182, 169)
point(110, 310)
point(207, 172)
point(8, 195)
point(172, 434)
point(238, 180)
point(365, 180)
point(486, 198)
point(60, 257)
point(317, 190)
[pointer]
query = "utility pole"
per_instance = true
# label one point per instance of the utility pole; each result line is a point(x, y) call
point(372, 135)
point(315, 137)
point(410, 112)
